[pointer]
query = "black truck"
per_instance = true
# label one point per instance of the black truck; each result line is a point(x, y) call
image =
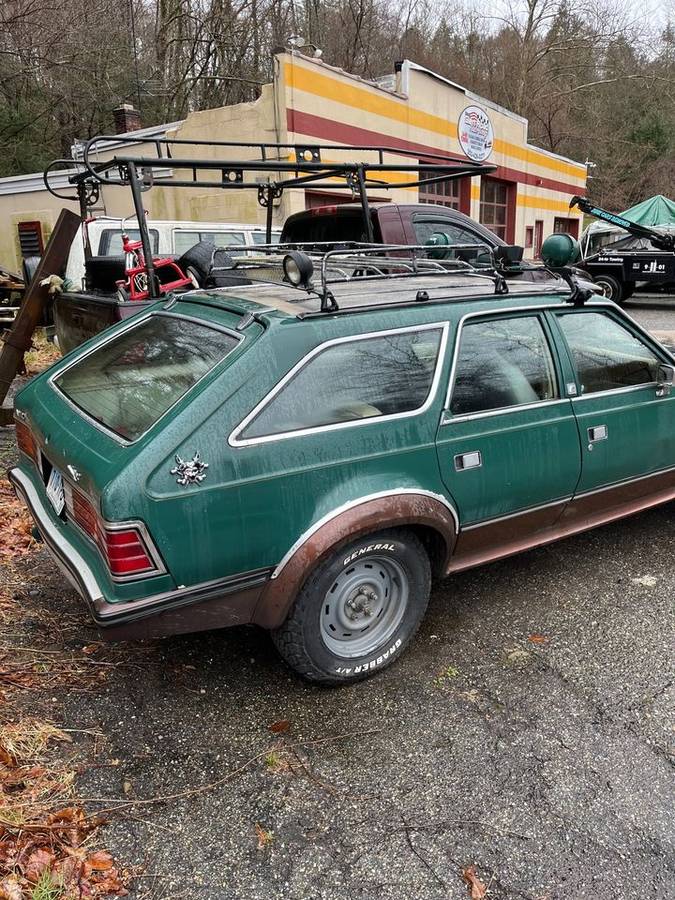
point(646, 256)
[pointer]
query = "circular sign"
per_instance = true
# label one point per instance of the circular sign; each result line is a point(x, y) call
point(474, 130)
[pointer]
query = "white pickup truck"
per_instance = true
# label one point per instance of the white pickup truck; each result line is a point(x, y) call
point(90, 301)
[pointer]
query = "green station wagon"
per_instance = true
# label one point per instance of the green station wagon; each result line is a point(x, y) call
point(253, 455)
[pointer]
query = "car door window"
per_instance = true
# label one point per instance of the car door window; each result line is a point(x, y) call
point(426, 226)
point(607, 356)
point(439, 231)
point(502, 363)
point(363, 378)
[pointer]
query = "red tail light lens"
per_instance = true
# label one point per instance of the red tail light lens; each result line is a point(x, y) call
point(124, 549)
point(126, 552)
point(26, 442)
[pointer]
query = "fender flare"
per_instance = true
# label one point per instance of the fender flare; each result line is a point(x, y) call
point(390, 509)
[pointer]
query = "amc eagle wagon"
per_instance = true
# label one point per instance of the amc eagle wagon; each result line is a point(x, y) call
point(308, 459)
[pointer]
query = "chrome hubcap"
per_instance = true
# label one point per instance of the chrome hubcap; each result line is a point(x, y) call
point(364, 606)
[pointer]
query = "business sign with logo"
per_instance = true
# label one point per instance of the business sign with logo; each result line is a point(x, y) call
point(475, 133)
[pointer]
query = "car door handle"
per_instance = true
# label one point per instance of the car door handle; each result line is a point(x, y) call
point(471, 460)
point(597, 433)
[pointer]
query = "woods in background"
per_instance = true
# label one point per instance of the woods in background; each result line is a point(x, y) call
point(595, 79)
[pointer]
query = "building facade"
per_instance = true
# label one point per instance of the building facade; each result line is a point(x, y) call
point(414, 109)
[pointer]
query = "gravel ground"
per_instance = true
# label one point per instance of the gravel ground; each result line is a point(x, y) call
point(547, 763)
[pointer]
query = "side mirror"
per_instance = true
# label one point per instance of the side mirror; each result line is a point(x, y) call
point(560, 250)
point(665, 376)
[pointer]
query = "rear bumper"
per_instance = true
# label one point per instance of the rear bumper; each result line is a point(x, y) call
point(211, 604)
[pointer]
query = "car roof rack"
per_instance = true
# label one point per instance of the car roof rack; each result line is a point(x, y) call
point(283, 166)
point(356, 261)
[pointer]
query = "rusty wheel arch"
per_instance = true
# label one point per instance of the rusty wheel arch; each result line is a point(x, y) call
point(429, 515)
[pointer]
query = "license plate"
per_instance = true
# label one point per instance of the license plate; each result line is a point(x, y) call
point(55, 492)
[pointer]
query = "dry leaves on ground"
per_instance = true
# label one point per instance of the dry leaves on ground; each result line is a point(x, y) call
point(44, 836)
point(477, 888)
point(15, 525)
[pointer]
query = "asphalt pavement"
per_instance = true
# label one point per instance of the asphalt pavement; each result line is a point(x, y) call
point(528, 732)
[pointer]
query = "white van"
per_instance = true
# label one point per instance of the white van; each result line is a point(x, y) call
point(167, 239)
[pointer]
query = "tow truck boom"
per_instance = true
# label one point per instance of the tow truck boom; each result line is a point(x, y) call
point(658, 239)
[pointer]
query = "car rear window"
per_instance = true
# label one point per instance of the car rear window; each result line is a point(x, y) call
point(331, 226)
point(128, 383)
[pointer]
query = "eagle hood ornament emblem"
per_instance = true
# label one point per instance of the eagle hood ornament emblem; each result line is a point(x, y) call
point(189, 471)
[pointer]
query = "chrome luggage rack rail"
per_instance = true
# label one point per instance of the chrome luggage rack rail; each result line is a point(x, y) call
point(354, 261)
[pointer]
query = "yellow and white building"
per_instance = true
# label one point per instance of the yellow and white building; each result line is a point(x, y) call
point(523, 200)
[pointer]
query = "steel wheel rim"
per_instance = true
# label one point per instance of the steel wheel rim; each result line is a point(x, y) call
point(364, 606)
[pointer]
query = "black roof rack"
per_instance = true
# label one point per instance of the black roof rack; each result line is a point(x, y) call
point(313, 166)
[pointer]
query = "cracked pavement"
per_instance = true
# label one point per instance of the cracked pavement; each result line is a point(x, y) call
point(527, 731)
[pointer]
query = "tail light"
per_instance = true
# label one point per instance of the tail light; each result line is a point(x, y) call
point(126, 549)
point(26, 442)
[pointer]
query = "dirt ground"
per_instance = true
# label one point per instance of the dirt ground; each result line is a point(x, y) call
point(527, 732)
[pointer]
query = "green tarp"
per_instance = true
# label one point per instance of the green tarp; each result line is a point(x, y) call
point(658, 210)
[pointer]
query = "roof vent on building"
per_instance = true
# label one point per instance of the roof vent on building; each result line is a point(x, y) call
point(126, 118)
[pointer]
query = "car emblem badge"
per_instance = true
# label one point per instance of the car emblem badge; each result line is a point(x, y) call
point(189, 471)
point(74, 474)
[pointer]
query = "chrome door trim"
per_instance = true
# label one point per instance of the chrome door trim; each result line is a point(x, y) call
point(622, 390)
point(345, 507)
point(514, 515)
point(615, 484)
point(450, 419)
point(234, 440)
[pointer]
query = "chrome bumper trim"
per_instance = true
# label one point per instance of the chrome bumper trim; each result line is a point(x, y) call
point(66, 555)
point(81, 576)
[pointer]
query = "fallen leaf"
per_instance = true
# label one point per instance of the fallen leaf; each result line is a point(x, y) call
point(37, 863)
point(10, 889)
point(6, 758)
point(538, 639)
point(100, 861)
point(92, 648)
point(280, 726)
point(477, 888)
point(265, 837)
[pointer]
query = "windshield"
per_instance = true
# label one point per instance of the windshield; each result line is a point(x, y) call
point(128, 383)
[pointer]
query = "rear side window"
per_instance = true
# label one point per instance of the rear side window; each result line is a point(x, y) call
point(333, 227)
point(352, 380)
point(502, 363)
point(130, 382)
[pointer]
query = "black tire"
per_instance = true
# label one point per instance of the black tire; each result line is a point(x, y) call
point(198, 259)
point(612, 287)
point(304, 641)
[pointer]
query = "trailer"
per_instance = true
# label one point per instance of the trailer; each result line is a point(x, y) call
point(647, 256)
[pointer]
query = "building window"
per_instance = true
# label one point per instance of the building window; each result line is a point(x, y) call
point(529, 236)
point(447, 193)
point(566, 226)
point(30, 239)
point(494, 206)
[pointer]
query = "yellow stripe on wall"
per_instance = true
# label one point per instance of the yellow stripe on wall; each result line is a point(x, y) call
point(546, 203)
point(302, 79)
